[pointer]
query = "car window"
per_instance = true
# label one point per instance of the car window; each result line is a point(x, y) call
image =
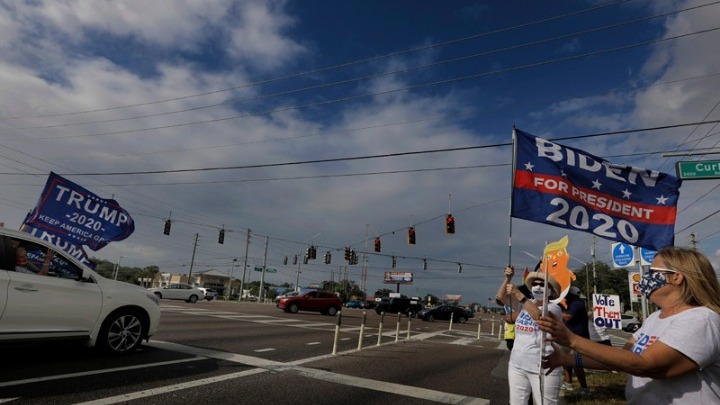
point(59, 266)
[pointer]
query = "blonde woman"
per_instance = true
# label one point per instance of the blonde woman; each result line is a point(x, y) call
point(674, 358)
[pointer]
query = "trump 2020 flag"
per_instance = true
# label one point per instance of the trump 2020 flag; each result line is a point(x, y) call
point(74, 214)
point(570, 188)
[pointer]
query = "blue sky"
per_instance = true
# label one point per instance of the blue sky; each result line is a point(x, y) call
point(106, 87)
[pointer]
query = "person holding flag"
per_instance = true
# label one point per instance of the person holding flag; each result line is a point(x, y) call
point(524, 371)
point(674, 358)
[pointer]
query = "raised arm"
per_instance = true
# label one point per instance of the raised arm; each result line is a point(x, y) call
point(501, 298)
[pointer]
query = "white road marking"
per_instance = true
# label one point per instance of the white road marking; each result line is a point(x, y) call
point(313, 343)
point(264, 350)
point(264, 365)
point(95, 372)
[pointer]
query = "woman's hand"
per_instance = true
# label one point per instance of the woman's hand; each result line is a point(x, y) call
point(556, 328)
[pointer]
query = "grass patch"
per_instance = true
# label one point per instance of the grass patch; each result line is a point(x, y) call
point(606, 388)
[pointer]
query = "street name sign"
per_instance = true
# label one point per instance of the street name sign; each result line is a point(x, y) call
point(706, 169)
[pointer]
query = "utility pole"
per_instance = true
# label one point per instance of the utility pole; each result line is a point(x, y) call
point(261, 293)
point(232, 269)
point(297, 279)
point(192, 260)
point(242, 282)
point(363, 276)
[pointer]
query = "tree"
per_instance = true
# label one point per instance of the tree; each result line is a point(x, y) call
point(607, 281)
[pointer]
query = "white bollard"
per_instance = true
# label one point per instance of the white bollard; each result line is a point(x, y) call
point(502, 328)
point(492, 330)
point(452, 315)
point(397, 328)
point(337, 332)
point(362, 330)
point(479, 328)
point(382, 317)
point(408, 329)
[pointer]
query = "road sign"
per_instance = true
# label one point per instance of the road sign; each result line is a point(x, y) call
point(647, 256)
point(258, 268)
point(706, 169)
point(622, 254)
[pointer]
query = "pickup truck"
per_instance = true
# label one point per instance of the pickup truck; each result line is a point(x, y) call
point(393, 305)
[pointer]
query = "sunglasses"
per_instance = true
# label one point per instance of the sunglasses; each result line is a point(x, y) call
point(661, 270)
point(540, 283)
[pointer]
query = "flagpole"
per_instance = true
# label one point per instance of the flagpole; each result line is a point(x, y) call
point(512, 188)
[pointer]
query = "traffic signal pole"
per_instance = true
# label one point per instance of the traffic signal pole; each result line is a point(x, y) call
point(261, 293)
point(242, 282)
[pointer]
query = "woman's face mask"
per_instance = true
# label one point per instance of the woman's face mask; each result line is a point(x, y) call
point(538, 292)
point(650, 282)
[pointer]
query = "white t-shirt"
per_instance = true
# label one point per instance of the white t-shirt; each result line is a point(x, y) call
point(525, 354)
point(597, 333)
point(694, 333)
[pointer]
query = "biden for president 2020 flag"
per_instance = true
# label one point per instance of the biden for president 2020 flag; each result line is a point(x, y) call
point(569, 188)
point(76, 215)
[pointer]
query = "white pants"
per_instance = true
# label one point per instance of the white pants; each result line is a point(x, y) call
point(523, 383)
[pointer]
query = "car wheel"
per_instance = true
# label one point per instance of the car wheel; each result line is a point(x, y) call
point(633, 328)
point(293, 308)
point(122, 331)
point(157, 294)
point(193, 298)
point(461, 319)
point(430, 318)
point(332, 311)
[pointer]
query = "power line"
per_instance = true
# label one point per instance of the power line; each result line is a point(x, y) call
point(342, 65)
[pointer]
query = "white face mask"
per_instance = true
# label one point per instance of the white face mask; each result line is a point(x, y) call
point(538, 292)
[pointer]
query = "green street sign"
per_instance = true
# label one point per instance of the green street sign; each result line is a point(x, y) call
point(706, 169)
point(266, 270)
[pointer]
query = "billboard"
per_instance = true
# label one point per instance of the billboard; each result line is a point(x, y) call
point(398, 277)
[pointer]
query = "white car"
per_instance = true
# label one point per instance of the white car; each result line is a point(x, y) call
point(178, 292)
point(70, 302)
point(210, 294)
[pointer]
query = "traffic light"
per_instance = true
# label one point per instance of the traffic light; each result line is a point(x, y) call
point(312, 252)
point(168, 224)
point(221, 237)
point(328, 257)
point(449, 224)
point(377, 245)
point(347, 255)
point(394, 262)
point(353, 257)
point(424, 264)
point(295, 259)
point(305, 259)
point(459, 268)
point(411, 236)
point(285, 260)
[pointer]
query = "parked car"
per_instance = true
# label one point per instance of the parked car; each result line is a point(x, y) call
point(210, 294)
point(71, 302)
point(353, 304)
point(178, 292)
point(443, 312)
point(318, 301)
point(629, 322)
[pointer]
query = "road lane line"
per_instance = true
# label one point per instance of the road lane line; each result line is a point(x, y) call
point(391, 388)
point(170, 388)
point(94, 372)
point(264, 350)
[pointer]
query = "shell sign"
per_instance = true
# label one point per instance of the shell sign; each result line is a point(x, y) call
point(634, 284)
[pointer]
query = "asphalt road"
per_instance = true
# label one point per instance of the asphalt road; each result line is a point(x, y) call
point(247, 353)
